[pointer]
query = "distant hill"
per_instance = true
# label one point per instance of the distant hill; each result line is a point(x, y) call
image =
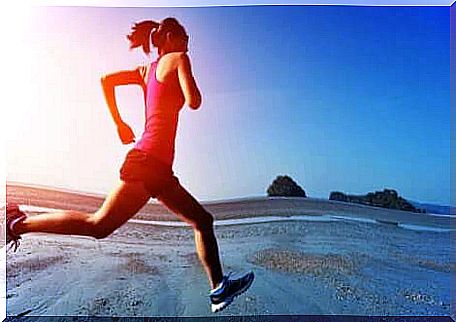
point(388, 198)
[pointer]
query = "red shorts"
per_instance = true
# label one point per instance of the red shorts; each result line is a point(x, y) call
point(157, 176)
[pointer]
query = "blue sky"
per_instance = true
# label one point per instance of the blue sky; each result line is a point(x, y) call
point(343, 98)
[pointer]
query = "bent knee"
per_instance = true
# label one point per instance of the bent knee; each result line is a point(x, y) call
point(204, 222)
point(101, 233)
point(97, 229)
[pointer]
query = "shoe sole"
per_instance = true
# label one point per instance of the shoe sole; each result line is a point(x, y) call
point(219, 307)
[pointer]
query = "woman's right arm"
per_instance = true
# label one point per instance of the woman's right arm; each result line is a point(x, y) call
point(109, 82)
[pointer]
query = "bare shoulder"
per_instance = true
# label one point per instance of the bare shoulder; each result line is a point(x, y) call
point(178, 55)
point(174, 59)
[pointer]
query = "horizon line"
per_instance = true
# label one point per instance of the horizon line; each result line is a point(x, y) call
point(239, 198)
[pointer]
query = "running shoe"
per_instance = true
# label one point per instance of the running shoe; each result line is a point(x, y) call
point(13, 215)
point(225, 293)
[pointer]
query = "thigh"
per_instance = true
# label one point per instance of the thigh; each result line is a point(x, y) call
point(184, 205)
point(122, 204)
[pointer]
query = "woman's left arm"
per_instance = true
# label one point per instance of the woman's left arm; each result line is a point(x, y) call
point(187, 81)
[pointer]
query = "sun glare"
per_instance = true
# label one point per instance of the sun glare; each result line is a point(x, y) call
point(16, 22)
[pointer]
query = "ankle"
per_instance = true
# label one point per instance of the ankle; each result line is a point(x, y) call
point(219, 286)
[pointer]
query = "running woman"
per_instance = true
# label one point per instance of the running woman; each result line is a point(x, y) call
point(168, 84)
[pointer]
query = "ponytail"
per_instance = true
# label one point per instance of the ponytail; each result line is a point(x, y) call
point(145, 32)
point(140, 34)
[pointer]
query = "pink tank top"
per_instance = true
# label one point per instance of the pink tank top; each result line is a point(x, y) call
point(163, 103)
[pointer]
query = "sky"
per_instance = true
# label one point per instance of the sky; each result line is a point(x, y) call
point(340, 98)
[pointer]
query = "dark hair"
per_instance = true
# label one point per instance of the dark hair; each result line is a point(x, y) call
point(143, 31)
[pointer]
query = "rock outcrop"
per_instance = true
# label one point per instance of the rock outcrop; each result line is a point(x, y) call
point(284, 186)
point(388, 198)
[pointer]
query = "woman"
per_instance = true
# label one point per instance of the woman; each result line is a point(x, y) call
point(147, 172)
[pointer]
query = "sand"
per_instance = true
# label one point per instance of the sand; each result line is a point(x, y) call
point(301, 267)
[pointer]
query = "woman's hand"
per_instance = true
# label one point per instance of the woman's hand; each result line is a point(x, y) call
point(125, 133)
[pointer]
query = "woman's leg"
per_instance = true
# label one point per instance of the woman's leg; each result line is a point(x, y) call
point(183, 204)
point(121, 204)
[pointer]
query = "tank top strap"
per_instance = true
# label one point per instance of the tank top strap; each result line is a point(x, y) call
point(150, 75)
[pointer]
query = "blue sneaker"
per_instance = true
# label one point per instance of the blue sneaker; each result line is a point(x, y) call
point(13, 215)
point(228, 289)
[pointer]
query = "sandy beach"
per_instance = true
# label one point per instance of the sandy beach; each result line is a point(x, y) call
point(354, 265)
